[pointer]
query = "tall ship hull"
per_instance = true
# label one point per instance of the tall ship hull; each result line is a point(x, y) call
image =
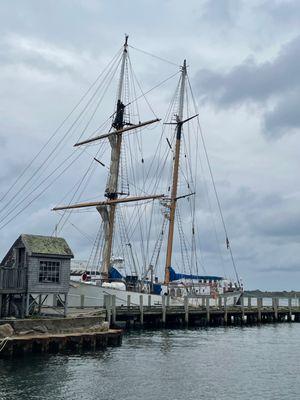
point(93, 296)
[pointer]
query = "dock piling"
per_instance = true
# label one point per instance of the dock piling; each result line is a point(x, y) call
point(186, 310)
point(82, 301)
point(128, 301)
point(243, 310)
point(290, 309)
point(259, 307)
point(107, 305)
point(141, 310)
point(207, 310)
point(164, 311)
point(225, 311)
point(113, 309)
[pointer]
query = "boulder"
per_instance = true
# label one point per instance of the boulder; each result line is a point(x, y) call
point(101, 327)
point(40, 329)
point(105, 326)
point(24, 333)
point(6, 330)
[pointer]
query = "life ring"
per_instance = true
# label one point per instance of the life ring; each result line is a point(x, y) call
point(84, 277)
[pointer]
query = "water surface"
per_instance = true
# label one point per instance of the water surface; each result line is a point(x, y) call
point(214, 363)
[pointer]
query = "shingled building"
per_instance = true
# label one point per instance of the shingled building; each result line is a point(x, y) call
point(34, 268)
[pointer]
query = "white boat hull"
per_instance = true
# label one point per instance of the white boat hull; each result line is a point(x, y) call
point(83, 294)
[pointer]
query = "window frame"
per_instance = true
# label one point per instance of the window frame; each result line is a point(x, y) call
point(54, 270)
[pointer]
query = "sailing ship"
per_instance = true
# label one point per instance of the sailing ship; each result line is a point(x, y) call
point(107, 278)
point(147, 242)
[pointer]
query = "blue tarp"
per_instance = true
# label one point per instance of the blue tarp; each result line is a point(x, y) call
point(114, 274)
point(156, 288)
point(175, 276)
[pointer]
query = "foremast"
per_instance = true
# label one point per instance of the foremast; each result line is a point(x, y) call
point(173, 199)
point(111, 192)
point(107, 208)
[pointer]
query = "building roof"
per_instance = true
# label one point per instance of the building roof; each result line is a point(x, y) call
point(47, 245)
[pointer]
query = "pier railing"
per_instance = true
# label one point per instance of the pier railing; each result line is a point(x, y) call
point(248, 310)
point(12, 280)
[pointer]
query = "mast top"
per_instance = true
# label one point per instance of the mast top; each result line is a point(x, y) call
point(183, 67)
point(126, 42)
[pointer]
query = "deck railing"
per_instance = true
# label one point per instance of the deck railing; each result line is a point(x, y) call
point(13, 279)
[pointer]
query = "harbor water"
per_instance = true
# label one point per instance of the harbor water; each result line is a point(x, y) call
point(259, 362)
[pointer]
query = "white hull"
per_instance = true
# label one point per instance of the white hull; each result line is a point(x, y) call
point(89, 295)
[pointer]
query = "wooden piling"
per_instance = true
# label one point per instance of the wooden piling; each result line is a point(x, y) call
point(225, 311)
point(207, 310)
point(82, 300)
point(128, 301)
point(66, 305)
point(27, 304)
point(107, 305)
point(275, 303)
point(113, 309)
point(186, 310)
point(290, 309)
point(164, 311)
point(259, 307)
point(220, 302)
point(243, 310)
point(168, 300)
point(141, 310)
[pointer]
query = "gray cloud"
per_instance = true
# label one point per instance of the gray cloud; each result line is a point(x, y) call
point(224, 12)
point(248, 53)
point(279, 269)
point(253, 82)
point(285, 116)
point(280, 12)
point(286, 225)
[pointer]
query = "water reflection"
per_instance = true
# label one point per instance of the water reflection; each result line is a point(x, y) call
point(213, 363)
point(167, 342)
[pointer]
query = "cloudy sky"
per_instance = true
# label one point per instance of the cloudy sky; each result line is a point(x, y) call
point(244, 63)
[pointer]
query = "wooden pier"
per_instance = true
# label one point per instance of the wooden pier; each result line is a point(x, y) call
point(59, 343)
point(57, 335)
point(250, 310)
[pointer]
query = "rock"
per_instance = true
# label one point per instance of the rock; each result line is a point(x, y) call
point(40, 329)
point(6, 330)
point(94, 328)
point(24, 333)
point(105, 326)
point(102, 327)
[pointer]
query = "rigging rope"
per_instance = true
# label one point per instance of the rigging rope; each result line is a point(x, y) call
point(154, 56)
point(214, 186)
point(52, 136)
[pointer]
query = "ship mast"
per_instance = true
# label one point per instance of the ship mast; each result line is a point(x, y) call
point(107, 208)
point(175, 173)
point(111, 191)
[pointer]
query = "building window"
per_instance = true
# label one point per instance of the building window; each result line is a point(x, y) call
point(49, 272)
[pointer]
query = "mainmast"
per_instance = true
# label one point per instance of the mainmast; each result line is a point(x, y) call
point(111, 192)
point(175, 173)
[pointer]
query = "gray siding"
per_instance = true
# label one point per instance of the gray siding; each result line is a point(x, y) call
point(23, 259)
point(10, 259)
point(34, 286)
